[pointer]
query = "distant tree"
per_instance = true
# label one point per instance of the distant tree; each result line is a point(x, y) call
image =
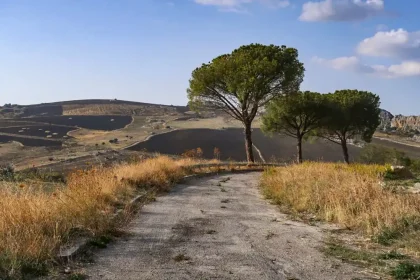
point(351, 113)
point(216, 153)
point(294, 115)
point(242, 82)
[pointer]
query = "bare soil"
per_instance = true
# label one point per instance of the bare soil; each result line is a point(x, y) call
point(218, 228)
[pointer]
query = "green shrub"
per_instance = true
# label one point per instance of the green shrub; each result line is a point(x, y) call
point(406, 270)
point(378, 154)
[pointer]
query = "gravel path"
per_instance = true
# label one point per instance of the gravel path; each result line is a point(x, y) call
point(208, 229)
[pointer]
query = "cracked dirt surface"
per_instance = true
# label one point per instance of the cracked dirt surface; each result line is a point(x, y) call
point(210, 229)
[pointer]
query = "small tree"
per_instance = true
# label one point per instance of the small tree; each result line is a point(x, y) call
point(216, 153)
point(351, 113)
point(295, 116)
point(242, 82)
point(199, 152)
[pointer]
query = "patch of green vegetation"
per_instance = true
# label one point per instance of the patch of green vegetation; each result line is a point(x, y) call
point(357, 256)
point(380, 262)
point(101, 241)
point(406, 226)
point(392, 255)
point(77, 276)
point(44, 176)
point(387, 237)
point(8, 173)
point(406, 270)
point(378, 154)
point(34, 270)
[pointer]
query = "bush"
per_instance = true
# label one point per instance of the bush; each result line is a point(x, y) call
point(378, 154)
point(407, 270)
point(7, 172)
point(194, 153)
point(36, 174)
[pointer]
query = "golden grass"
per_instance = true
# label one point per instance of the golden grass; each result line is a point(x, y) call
point(34, 223)
point(117, 109)
point(349, 195)
point(36, 219)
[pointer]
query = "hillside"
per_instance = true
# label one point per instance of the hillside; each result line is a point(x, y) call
point(389, 122)
point(89, 107)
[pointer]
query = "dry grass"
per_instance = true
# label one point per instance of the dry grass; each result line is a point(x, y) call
point(34, 223)
point(349, 195)
point(100, 109)
point(36, 220)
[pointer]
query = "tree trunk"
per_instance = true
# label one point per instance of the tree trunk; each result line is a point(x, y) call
point(248, 144)
point(299, 149)
point(345, 151)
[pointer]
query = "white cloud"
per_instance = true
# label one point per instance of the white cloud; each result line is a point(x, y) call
point(341, 10)
point(406, 68)
point(238, 5)
point(350, 63)
point(353, 64)
point(394, 43)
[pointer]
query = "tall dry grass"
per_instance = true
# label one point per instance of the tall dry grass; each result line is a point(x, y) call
point(350, 195)
point(33, 223)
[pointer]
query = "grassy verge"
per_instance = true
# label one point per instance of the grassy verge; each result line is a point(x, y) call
point(35, 222)
point(349, 195)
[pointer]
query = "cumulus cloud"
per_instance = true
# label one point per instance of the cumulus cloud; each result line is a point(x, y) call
point(353, 64)
point(341, 10)
point(395, 43)
point(238, 5)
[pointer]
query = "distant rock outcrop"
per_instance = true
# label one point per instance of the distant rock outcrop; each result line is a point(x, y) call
point(399, 123)
point(386, 119)
point(406, 123)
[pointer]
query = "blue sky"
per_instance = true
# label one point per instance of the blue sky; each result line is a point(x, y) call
point(145, 50)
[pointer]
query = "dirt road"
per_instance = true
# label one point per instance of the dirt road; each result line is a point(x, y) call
point(208, 229)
